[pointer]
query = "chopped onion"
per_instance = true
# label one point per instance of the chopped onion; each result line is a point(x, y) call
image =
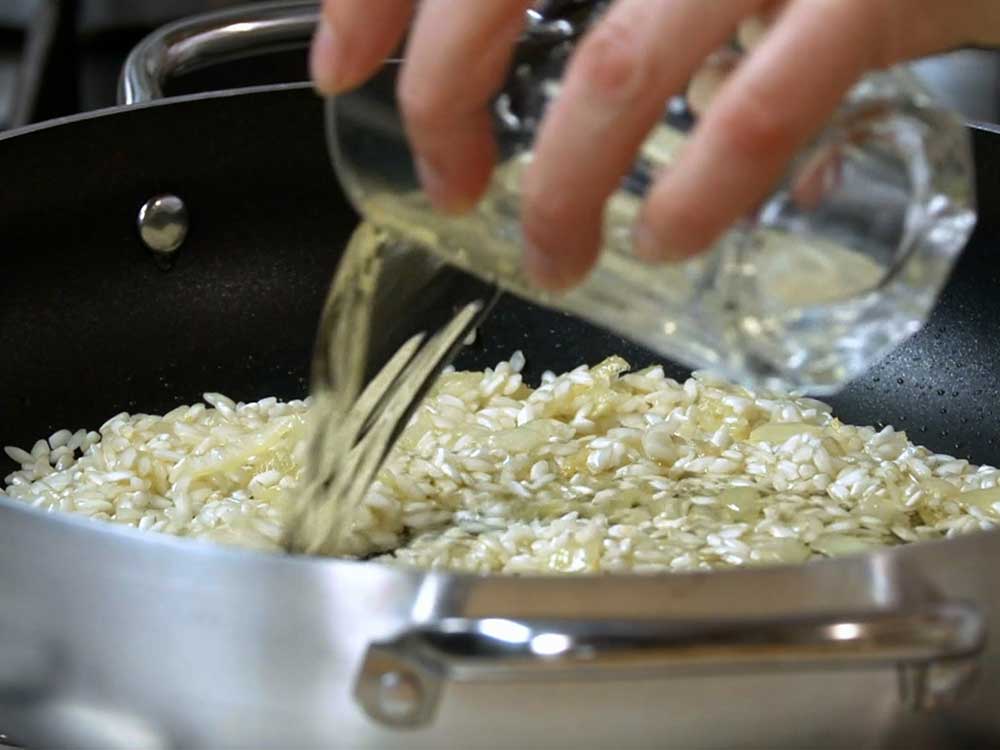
point(779, 432)
point(744, 502)
point(790, 551)
point(983, 499)
point(835, 545)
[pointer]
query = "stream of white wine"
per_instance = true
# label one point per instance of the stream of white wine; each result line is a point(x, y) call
point(680, 310)
point(339, 357)
point(395, 317)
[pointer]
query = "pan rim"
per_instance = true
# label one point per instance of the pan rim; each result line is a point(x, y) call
point(972, 124)
point(122, 108)
point(102, 531)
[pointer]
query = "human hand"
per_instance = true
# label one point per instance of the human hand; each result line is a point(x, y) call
point(641, 53)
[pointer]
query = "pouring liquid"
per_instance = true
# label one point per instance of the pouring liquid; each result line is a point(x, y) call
point(395, 317)
point(339, 361)
point(843, 261)
point(759, 296)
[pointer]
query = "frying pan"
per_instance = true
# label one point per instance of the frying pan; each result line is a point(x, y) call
point(110, 638)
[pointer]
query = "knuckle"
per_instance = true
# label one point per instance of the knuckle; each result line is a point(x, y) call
point(546, 213)
point(558, 221)
point(422, 106)
point(330, 10)
point(688, 225)
point(754, 127)
point(611, 62)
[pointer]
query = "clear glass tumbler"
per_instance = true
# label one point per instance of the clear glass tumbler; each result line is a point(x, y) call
point(843, 261)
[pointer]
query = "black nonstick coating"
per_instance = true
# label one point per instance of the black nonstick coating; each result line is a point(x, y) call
point(90, 325)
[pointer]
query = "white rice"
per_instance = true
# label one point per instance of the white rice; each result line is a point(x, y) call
point(595, 470)
point(208, 473)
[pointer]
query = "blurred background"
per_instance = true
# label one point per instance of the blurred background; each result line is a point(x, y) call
point(60, 57)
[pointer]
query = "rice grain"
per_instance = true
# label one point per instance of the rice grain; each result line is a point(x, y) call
point(594, 470)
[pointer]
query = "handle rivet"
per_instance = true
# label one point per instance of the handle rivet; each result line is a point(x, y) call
point(163, 224)
point(399, 695)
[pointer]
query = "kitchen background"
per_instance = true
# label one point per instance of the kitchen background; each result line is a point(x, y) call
point(59, 57)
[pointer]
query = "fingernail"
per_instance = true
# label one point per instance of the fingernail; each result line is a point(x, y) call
point(543, 269)
point(651, 247)
point(324, 59)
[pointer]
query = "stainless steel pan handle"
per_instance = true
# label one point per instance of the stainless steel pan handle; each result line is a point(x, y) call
point(934, 648)
point(248, 31)
point(204, 40)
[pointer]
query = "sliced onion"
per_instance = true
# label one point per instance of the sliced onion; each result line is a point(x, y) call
point(880, 507)
point(236, 453)
point(658, 444)
point(779, 432)
point(790, 551)
point(744, 502)
point(530, 436)
point(983, 499)
point(610, 368)
point(836, 545)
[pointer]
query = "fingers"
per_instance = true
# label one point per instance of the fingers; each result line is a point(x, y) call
point(780, 96)
point(979, 24)
point(916, 28)
point(753, 29)
point(353, 38)
point(641, 52)
point(456, 60)
point(709, 79)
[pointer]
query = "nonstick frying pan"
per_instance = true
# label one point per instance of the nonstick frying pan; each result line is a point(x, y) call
point(112, 639)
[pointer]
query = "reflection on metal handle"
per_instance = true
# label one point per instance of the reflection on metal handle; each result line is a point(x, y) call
point(212, 38)
point(401, 680)
point(246, 31)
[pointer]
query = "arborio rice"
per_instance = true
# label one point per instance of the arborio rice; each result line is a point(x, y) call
point(595, 470)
